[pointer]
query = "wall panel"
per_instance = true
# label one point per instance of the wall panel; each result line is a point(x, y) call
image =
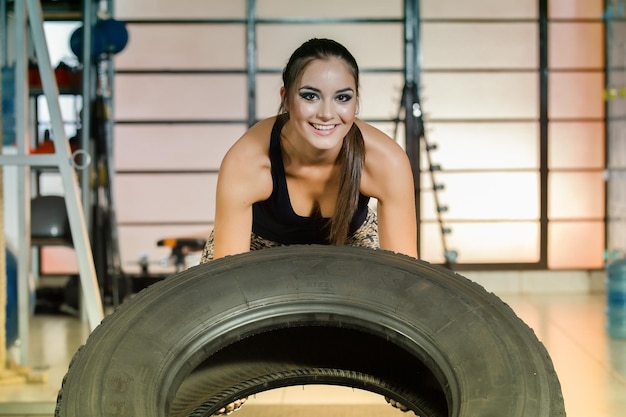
point(485, 196)
point(479, 9)
point(174, 198)
point(171, 147)
point(576, 95)
point(576, 245)
point(484, 242)
point(480, 45)
point(575, 9)
point(374, 45)
point(159, 97)
point(192, 46)
point(483, 96)
point(576, 145)
point(331, 9)
point(575, 45)
point(179, 9)
point(485, 145)
point(576, 195)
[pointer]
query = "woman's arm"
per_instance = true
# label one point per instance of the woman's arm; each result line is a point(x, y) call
point(244, 178)
point(233, 213)
point(388, 177)
point(397, 223)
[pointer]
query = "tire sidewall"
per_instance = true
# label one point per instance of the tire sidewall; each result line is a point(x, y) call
point(488, 360)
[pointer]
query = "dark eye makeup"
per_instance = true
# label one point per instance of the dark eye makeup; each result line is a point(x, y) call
point(310, 94)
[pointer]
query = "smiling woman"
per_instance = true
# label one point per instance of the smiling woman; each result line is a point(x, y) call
point(306, 176)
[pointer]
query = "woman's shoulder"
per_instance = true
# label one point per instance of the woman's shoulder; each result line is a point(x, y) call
point(386, 162)
point(247, 166)
point(262, 128)
point(254, 142)
point(259, 133)
point(379, 144)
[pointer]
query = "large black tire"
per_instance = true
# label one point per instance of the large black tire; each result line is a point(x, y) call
point(299, 315)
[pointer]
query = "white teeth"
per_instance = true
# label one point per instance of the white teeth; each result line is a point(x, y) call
point(323, 127)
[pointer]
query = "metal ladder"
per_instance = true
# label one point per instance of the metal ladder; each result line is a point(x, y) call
point(31, 12)
point(415, 134)
point(415, 131)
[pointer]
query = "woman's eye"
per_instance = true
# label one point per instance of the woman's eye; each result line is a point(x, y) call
point(344, 97)
point(308, 96)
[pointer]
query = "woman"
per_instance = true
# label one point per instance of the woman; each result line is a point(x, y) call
point(306, 176)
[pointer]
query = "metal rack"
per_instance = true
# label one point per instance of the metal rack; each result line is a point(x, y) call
point(414, 125)
point(29, 21)
point(615, 105)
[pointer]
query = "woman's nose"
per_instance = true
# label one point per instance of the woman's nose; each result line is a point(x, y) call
point(325, 110)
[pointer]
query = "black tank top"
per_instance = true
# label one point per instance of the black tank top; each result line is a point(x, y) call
point(274, 219)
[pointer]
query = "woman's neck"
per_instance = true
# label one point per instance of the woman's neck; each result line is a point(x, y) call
point(297, 150)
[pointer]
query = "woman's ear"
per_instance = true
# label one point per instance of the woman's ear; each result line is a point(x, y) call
point(283, 99)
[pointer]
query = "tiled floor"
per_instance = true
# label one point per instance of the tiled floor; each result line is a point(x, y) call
point(591, 366)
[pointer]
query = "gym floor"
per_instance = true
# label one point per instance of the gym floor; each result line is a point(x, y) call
point(590, 365)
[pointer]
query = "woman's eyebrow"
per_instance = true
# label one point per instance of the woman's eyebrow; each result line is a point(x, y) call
point(308, 87)
point(317, 90)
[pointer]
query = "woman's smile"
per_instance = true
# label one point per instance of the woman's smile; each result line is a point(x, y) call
point(323, 129)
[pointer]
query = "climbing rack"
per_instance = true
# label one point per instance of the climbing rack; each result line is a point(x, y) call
point(416, 142)
point(415, 134)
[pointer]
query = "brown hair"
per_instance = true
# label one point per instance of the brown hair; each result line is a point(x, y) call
point(352, 152)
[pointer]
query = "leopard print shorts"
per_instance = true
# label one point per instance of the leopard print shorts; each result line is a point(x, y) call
point(365, 236)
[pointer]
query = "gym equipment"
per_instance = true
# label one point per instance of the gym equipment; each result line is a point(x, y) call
point(11, 324)
point(181, 247)
point(415, 130)
point(369, 319)
point(8, 106)
point(68, 78)
point(115, 34)
point(110, 36)
point(49, 222)
point(11, 307)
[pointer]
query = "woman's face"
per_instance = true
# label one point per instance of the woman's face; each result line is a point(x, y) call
point(323, 105)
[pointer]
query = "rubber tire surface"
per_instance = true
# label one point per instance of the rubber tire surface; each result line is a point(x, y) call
point(373, 320)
